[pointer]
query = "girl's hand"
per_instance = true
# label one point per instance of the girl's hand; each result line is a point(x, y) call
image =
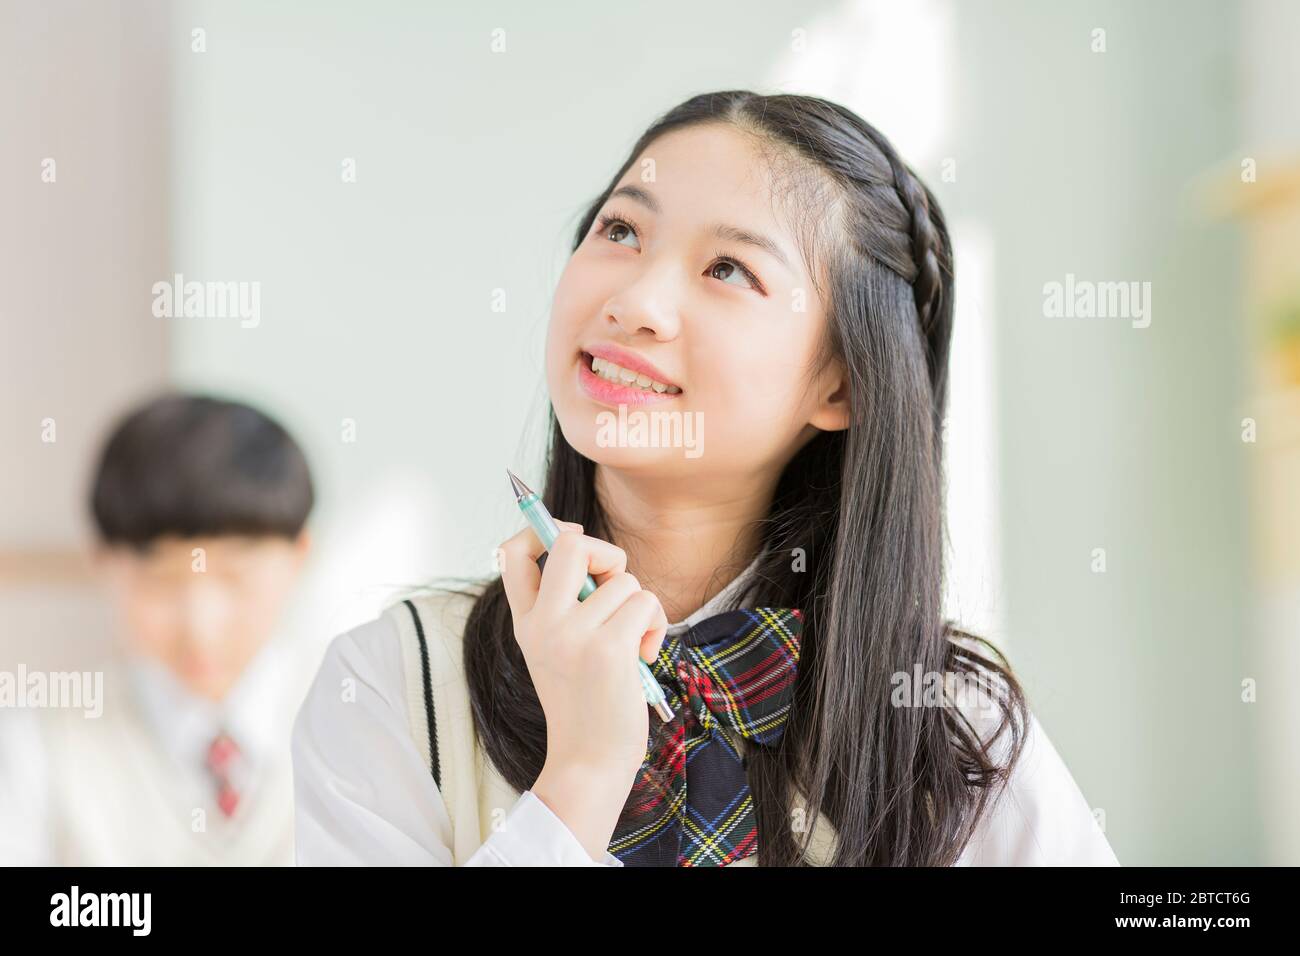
point(581, 656)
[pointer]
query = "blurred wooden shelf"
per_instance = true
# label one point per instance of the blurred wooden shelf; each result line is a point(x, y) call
point(44, 567)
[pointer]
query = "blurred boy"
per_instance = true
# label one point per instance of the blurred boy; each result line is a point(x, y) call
point(200, 505)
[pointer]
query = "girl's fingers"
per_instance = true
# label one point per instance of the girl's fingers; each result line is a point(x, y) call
point(653, 639)
point(572, 557)
point(600, 576)
point(643, 616)
point(519, 571)
point(608, 598)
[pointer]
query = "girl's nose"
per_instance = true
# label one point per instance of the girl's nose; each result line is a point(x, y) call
point(662, 328)
point(641, 308)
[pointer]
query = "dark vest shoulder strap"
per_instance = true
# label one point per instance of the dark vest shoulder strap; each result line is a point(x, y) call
point(428, 696)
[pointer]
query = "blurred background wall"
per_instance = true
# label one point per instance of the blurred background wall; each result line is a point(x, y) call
point(387, 172)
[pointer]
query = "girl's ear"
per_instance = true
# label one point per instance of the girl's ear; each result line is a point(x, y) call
point(833, 412)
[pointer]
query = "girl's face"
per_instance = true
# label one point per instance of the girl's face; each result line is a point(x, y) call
point(690, 279)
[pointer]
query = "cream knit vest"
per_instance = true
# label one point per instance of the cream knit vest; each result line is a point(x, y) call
point(116, 799)
point(476, 795)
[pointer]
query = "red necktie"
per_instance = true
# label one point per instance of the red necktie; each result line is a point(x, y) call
point(223, 753)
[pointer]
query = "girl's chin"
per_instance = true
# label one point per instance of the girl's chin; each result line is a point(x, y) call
point(616, 440)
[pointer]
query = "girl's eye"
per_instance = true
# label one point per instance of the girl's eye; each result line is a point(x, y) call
point(727, 268)
point(616, 230)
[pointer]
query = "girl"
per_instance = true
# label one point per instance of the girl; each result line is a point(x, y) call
point(767, 270)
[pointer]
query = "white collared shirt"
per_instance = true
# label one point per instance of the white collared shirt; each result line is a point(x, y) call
point(186, 724)
point(362, 789)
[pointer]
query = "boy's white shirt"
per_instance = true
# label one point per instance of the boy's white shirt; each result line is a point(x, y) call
point(364, 795)
point(187, 724)
point(181, 726)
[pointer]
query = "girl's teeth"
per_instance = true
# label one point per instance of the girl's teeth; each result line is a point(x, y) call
point(623, 376)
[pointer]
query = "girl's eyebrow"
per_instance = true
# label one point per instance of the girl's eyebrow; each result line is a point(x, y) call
point(720, 231)
point(637, 194)
point(758, 240)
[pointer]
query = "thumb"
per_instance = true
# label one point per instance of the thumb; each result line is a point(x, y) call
point(653, 639)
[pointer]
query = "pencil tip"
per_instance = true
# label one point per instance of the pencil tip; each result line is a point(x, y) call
point(518, 487)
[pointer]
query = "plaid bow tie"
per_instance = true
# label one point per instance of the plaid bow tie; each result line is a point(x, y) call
point(691, 804)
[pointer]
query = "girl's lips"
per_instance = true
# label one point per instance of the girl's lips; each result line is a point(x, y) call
point(610, 393)
point(628, 360)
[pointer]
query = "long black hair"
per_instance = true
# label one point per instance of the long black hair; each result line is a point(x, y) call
point(854, 535)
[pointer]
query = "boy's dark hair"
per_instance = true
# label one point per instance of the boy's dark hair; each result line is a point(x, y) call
point(191, 465)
